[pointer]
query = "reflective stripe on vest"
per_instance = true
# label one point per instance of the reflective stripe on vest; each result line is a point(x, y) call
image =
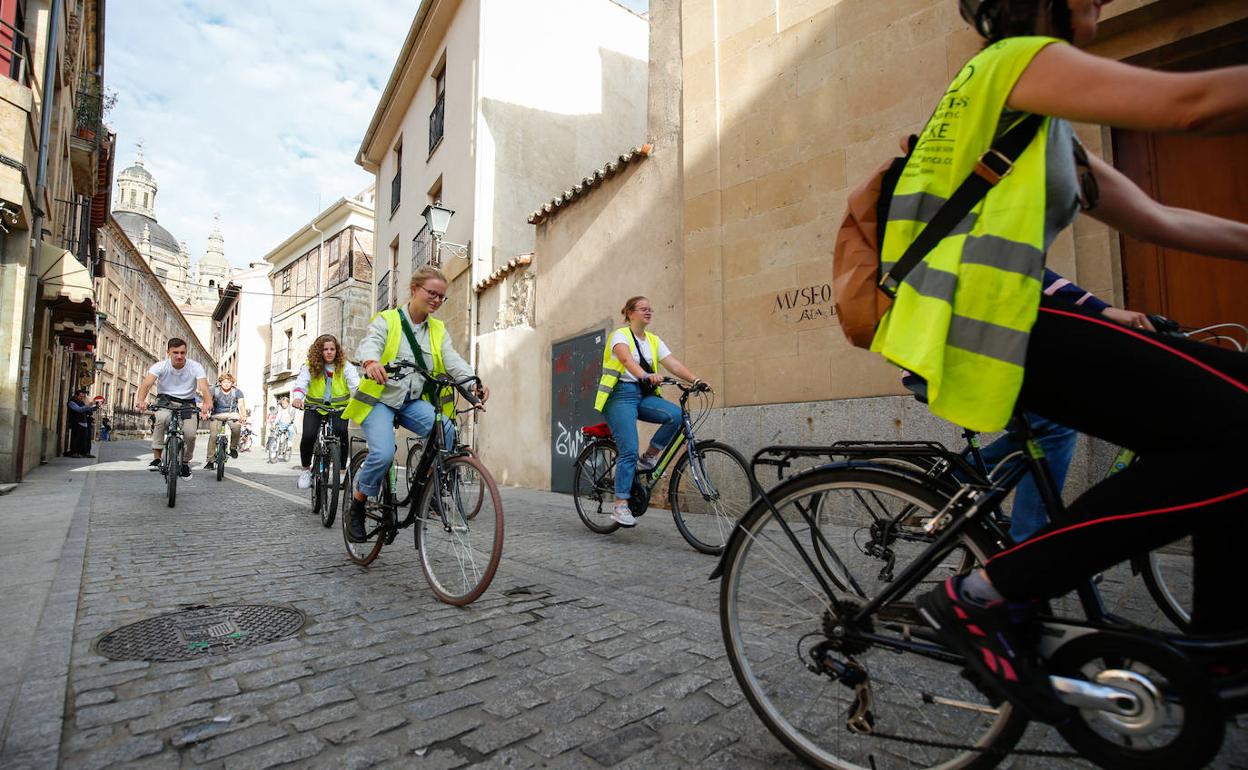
point(369, 393)
point(339, 392)
point(962, 317)
point(612, 368)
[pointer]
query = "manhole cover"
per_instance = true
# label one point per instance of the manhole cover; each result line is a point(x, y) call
point(203, 631)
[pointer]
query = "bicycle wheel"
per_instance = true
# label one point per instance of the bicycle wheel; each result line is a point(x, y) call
point(221, 455)
point(330, 509)
point(458, 556)
point(317, 488)
point(593, 485)
point(472, 481)
point(709, 495)
point(1167, 574)
point(173, 467)
point(365, 552)
point(774, 614)
point(271, 449)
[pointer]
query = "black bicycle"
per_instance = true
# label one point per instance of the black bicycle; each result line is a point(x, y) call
point(835, 660)
point(326, 453)
point(175, 441)
point(221, 444)
point(449, 495)
point(709, 491)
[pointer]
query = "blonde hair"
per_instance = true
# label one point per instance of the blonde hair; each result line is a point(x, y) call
point(631, 305)
point(316, 359)
point(225, 376)
point(425, 273)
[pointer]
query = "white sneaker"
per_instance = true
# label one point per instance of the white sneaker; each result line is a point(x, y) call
point(305, 479)
point(622, 516)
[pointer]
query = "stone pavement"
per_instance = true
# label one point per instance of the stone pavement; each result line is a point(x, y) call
point(587, 650)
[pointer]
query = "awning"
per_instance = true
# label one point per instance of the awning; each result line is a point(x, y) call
point(62, 275)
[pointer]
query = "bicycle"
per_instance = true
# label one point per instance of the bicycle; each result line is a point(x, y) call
point(244, 438)
point(221, 444)
point(278, 446)
point(326, 473)
point(709, 490)
point(459, 539)
point(175, 441)
point(805, 625)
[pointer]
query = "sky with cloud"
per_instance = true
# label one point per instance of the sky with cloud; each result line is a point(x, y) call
point(252, 110)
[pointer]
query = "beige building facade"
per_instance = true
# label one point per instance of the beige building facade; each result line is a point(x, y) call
point(241, 327)
point(762, 116)
point(137, 320)
point(321, 280)
point(48, 221)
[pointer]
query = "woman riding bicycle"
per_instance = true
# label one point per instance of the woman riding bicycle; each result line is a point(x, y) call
point(629, 391)
point(995, 343)
point(326, 371)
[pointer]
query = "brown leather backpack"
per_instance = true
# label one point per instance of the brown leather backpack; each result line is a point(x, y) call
point(860, 302)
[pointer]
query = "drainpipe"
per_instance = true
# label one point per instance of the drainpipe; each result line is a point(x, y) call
point(47, 104)
point(319, 268)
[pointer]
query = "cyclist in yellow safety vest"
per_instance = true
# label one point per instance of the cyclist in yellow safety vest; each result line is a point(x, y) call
point(327, 364)
point(406, 333)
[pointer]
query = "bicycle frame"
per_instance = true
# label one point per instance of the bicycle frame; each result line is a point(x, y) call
point(685, 439)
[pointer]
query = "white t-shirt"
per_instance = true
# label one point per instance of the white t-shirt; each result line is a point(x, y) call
point(626, 337)
point(179, 383)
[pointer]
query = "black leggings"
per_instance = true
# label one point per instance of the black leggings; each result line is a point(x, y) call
point(1182, 406)
point(311, 427)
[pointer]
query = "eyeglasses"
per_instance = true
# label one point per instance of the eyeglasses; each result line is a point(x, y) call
point(433, 295)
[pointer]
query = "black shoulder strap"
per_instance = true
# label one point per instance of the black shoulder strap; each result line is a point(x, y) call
point(640, 355)
point(993, 166)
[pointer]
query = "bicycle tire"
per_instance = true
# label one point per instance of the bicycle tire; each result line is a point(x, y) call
point(317, 487)
point(1159, 569)
point(363, 553)
point(270, 449)
point(705, 523)
point(220, 461)
point(331, 489)
point(173, 468)
point(593, 485)
point(451, 555)
point(783, 624)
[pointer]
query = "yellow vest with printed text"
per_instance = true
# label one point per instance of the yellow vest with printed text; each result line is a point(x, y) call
point(369, 393)
point(962, 316)
point(612, 368)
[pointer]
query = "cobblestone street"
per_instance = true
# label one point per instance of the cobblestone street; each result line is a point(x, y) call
point(586, 651)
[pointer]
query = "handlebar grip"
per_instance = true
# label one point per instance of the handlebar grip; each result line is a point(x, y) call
point(1164, 325)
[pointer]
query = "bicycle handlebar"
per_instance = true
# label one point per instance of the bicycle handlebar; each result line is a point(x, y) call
point(325, 405)
point(395, 369)
point(697, 387)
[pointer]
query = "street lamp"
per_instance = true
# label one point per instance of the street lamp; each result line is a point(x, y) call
point(438, 219)
point(100, 363)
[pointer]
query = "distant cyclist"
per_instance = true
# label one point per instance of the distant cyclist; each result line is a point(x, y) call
point(326, 375)
point(997, 341)
point(628, 391)
point(229, 409)
point(284, 419)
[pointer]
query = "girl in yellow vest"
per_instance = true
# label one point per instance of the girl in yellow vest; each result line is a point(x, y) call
point(628, 391)
point(971, 320)
point(326, 375)
point(379, 402)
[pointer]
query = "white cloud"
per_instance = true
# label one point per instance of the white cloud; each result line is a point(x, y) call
point(254, 110)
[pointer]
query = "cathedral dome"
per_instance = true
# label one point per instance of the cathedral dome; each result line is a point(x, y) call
point(132, 223)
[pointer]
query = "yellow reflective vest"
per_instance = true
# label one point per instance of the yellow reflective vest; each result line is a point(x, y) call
point(612, 368)
point(369, 393)
point(339, 391)
point(962, 317)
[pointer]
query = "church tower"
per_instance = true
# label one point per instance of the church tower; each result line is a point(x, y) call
point(213, 272)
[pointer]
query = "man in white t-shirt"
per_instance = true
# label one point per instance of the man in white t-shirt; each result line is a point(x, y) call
point(177, 380)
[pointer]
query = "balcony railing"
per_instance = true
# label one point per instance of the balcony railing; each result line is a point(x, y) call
point(280, 362)
point(89, 111)
point(73, 219)
point(15, 55)
point(383, 292)
point(396, 188)
point(436, 120)
point(422, 249)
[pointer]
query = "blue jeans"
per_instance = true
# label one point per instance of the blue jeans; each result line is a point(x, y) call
point(1058, 442)
point(378, 426)
point(623, 409)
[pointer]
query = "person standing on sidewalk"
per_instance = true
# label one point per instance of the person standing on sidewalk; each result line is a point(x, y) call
point(80, 425)
point(228, 408)
point(177, 380)
point(106, 430)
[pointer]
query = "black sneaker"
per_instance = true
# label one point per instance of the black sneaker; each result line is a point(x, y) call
point(210, 465)
point(186, 471)
point(234, 453)
point(88, 455)
point(996, 648)
point(355, 531)
point(154, 465)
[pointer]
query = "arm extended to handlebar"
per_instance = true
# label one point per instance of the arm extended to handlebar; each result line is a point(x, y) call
point(400, 369)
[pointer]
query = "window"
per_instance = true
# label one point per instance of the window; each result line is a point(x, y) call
point(396, 184)
point(162, 274)
point(334, 248)
point(108, 387)
point(289, 340)
point(144, 200)
point(134, 197)
point(286, 280)
point(303, 322)
point(437, 118)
